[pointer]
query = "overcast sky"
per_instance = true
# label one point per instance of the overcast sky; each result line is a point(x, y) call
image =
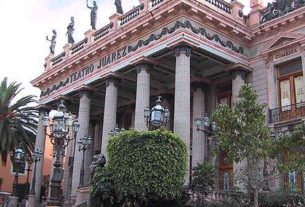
point(25, 24)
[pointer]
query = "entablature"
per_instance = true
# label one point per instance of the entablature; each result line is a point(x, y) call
point(123, 28)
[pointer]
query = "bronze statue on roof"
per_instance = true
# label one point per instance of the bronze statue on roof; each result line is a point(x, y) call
point(93, 14)
point(53, 42)
point(118, 4)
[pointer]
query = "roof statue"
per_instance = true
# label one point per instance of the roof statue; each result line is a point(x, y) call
point(118, 4)
point(53, 42)
point(279, 8)
point(70, 30)
point(93, 14)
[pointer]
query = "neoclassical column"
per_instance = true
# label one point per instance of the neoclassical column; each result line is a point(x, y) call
point(89, 154)
point(143, 95)
point(238, 79)
point(83, 119)
point(110, 111)
point(198, 144)
point(40, 145)
point(97, 137)
point(182, 110)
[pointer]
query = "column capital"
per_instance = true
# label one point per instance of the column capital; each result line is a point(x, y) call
point(143, 66)
point(112, 80)
point(237, 73)
point(183, 49)
point(199, 85)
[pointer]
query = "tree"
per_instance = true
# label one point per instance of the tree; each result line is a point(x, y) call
point(202, 182)
point(147, 167)
point(18, 119)
point(243, 134)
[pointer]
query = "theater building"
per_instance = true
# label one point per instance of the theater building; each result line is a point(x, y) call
point(196, 54)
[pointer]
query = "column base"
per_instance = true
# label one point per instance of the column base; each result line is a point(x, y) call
point(31, 202)
point(13, 201)
point(82, 196)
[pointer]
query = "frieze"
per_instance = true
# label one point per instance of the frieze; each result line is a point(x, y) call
point(122, 52)
point(285, 53)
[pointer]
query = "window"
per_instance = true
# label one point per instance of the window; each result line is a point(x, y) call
point(224, 94)
point(291, 85)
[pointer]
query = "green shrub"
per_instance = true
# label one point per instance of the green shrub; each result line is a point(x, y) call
point(147, 166)
point(102, 189)
point(281, 198)
point(203, 180)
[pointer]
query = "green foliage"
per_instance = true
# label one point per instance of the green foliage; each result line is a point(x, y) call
point(292, 147)
point(18, 120)
point(203, 180)
point(241, 129)
point(147, 166)
point(102, 189)
point(281, 198)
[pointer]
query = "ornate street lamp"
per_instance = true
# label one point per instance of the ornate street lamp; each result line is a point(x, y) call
point(35, 158)
point(115, 131)
point(208, 129)
point(62, 123)
point(156, 117)
point(83, 145)
point(18, 161)
point(29, 161)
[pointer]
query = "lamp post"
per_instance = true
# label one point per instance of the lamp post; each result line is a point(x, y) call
point(115, 131)
point(83, 145)
point(157, 116)
point(35, 158)
point(28, 170)
point(62, 123)
point(18, 160)
point(207, 129)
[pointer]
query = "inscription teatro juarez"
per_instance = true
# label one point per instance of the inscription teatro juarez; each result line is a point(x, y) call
point(104, 61)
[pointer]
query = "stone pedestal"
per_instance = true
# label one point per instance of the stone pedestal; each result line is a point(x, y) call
point(182, 113)
point(89, 35)
point(13, 201)
point(110, 110)
point(143, 96)
point(83, 119)
point(114, 19)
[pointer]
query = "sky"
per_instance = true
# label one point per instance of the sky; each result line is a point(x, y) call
point(26, 23)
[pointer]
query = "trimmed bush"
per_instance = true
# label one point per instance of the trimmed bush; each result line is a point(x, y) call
point(281, 198)
point(147, 166)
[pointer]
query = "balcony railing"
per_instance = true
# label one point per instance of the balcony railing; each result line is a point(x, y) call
point(78, 46)
point(156, 2)
point(221, 5)
point(58, 58)
point(103, 31)
point(286, 113)
point(131, 14)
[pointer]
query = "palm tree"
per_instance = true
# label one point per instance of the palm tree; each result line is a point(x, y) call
point(18, 119)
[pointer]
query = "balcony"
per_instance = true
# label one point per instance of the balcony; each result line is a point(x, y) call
point(287, 113)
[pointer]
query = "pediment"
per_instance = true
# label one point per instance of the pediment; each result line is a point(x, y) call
point(282, 40)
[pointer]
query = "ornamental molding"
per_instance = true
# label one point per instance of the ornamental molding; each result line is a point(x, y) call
point(283, 41)
point(116, 55)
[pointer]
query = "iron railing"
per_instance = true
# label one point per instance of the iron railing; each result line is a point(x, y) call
point(156, 2)
point(286, 113)
point(221, 5)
